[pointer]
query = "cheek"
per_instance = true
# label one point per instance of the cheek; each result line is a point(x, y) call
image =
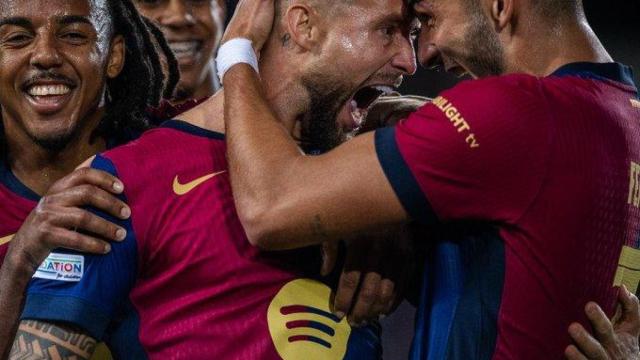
point(10, 65)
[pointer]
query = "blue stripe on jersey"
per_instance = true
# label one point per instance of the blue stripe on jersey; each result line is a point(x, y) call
point(192, 129)
point(447, 278)
point(364, 343)
point(123, 340)
point(419, 343)
point(99, 296)
point(461, 294)
point(608, 71)
point(401, 178)
point(482, 255)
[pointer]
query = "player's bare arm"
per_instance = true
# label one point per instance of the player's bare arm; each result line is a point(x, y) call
point(42, 340)
point(51, 225)
point(283, 197)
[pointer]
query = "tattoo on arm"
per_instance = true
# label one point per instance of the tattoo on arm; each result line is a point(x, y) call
point(38, 340)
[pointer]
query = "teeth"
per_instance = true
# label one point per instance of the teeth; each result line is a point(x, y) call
point(47, 90)
point(184, 47)
point(358, 114)
point(386, 90)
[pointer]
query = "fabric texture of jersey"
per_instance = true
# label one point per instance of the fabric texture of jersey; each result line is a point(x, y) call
point(17, 202)
point(533, 184)
point(186, 283)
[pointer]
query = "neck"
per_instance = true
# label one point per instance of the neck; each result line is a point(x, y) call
point(287, 97)
point(37, 167)
point(557, 45)
point(281, 72)
point(207, 87)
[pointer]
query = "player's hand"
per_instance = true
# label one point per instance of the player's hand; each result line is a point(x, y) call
point(616, 339)
point(253, 20)
point(374, 276)
point(59, 220)
point(388, 110)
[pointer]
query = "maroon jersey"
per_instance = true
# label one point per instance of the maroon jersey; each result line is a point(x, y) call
point(535, 182)
point(186, 283)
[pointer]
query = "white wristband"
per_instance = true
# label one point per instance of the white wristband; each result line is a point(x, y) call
point(235, 51)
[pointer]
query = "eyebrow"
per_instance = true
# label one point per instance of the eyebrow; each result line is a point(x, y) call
point(18, 21)
point(72, 19)
point(63, 20)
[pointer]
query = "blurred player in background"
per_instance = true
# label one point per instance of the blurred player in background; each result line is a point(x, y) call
point(193, 29)
point(532, 178)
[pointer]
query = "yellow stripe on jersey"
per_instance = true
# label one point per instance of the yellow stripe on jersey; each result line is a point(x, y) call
point(628, 272)
point(101, 353)
point(635, 103)
point(6, 239)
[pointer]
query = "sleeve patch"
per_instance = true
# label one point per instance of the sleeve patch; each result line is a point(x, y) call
point(61, 267)
point(457, 120)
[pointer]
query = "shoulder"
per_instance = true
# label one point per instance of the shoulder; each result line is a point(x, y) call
point(151, 163)
point(490, 96)
point(498, 106)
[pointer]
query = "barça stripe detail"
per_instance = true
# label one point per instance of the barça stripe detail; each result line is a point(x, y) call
point(312, 325)
point(314, 339)
point(295, 309)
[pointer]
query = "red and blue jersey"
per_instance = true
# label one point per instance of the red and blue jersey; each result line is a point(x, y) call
point(186, 283)
point(533, 185)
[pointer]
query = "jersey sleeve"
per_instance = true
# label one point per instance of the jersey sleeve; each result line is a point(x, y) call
point(477, 152)
point(87, 291)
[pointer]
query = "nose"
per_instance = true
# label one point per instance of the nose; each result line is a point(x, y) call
point(405, 59)
point(45, 53)
point(429, 55)
point(177, 14)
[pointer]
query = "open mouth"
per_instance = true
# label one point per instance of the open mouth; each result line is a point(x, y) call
point(186, 52)
point(358, 106)
point(48, 97)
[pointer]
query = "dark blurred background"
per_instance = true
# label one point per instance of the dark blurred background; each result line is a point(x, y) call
point(617, 23)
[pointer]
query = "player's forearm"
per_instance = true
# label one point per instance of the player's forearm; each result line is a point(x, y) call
point(42, 340)
point(14, 279)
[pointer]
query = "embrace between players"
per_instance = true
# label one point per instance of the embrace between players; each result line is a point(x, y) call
point(519, 185)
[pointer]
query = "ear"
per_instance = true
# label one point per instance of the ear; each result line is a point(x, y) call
point(501, 13)
point(116, 57)
point(302, 25)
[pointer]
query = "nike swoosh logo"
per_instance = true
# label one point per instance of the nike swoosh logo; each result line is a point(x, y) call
point(6, 239)
point(181, 189)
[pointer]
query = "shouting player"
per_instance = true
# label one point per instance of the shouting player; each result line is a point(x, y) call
point(186, 283)
point(533, 173)
point(70, 86)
